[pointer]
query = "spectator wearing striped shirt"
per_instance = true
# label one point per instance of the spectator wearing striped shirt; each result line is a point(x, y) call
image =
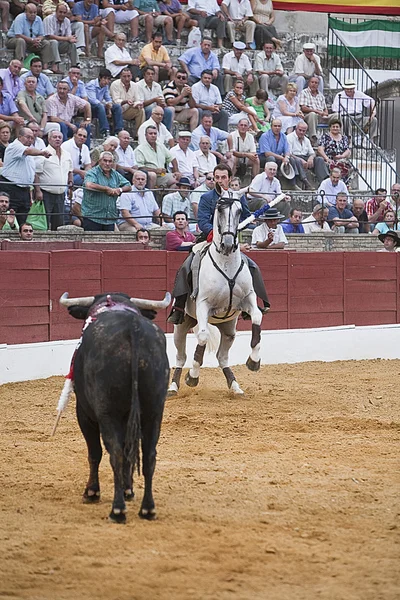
point(178, 94)
point(313, 106)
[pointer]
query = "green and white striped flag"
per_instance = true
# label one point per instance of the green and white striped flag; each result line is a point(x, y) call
point(377, 38)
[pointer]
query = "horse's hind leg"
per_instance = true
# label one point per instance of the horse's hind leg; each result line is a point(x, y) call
point(180, 333)
point(254, 361)
point(228, 333)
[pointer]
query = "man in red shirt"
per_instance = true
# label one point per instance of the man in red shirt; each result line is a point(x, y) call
point(181, 238)
point(377, 206)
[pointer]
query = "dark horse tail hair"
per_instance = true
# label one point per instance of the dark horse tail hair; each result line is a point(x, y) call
point(133, 429)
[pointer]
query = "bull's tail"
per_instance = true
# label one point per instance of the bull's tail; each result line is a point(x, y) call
point(133, 429)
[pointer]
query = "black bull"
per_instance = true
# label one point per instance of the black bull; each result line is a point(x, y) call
point(121, 375)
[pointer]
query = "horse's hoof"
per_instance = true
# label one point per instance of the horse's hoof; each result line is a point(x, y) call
point(172, 390)
point(91, 496)
point(236, 389)
point(129, 495)
point(117, 516)
point(149, 515)
point(253, 365)
point(191, 381)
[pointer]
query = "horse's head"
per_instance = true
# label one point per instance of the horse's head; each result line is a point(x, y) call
point(226, 221)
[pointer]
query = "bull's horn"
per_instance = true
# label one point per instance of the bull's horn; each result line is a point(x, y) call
point(65, 301)
point(153, 304)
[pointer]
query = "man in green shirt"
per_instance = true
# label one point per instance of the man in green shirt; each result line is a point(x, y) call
point(8, 220)
point(153, 158)
point(102, 186)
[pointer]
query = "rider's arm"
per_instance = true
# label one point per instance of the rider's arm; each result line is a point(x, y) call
point(204, 214)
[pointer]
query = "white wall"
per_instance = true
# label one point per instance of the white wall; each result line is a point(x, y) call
point(36, 361)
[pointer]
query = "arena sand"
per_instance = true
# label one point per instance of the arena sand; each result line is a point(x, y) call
point(289, 493)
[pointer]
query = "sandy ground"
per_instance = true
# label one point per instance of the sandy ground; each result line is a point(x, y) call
point(291, 492)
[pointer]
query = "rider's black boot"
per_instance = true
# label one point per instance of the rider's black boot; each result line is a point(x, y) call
point(177, 314)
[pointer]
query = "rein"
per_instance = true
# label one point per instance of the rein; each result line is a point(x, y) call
point(223, 203)
point(231, 282)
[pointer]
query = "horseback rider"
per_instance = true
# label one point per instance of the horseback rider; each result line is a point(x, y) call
point(208, 201)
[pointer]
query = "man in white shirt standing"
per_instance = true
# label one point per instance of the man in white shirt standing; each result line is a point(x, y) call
point(238, 14)
point(236, 65)
point(264, 187)
point(125, 92)
point(307, 64)
point(269, 235)
point(304, 156)
point(359, 106)
point(186, 158)
point(80, 155)
point(163, 135)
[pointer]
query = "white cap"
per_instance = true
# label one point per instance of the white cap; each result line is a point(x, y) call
point(184, 134)
point(308, 46)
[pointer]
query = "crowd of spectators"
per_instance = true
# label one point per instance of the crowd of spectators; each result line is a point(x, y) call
point(166, 126)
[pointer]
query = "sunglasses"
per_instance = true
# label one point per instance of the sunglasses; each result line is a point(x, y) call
point(181, 77)
point(210, 178)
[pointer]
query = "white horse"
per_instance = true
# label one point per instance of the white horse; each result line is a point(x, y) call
point(225, 289)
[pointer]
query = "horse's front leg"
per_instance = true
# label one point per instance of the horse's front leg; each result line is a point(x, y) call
point(202, 314)
point(228, 333)
point(250, 306)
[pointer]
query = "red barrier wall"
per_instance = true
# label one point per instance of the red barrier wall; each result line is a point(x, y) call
point(305, 289)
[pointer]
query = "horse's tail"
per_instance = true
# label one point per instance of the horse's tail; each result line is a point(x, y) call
point(214, 338)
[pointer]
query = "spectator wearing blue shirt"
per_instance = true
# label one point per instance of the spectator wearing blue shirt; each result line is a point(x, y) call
point(293, 223)
point(214, 133)
point(196, 60)
point(27, 34)
point(274, 146)
point(340, 218)
point(95, 26)
point(102, 105)
point(9, 110)
point(44, 86)
point(76, 85)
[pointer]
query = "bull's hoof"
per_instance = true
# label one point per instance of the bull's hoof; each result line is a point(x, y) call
point(129, 495)
point(91, 496)
point(253, 365)
point(148, 514)
point(191, 381)
point(117, 516)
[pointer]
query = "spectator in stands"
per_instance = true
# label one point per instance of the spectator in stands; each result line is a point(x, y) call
point(80, 155)
point(102, 186)
point(26, 34)
point(26, 232)
point(199, 59)
point(208, 98)
point(12, 83)
point(358, 210)
point(76, 208)
point(117, 57)
point(95, 26)
point(151, 17)
point(293, 223)
point(75, 83)
point(150, 94)
point(287, 109)
point(18, 173)
point(121, 11)
point(173, 9)
point(125, 93)
point(259, 103)
point(235, 106)
point(178, 95)
point(243, 147)
point(340, 218)
point(359, 106)
point(208, 15)
point(390, 240)
point(313, 106)
point(387, 224)
point(317, 221)
point(304, 157)
point(331, 187)
point(53, 175)
point(138, 207)
point(181, 239)
point(57, 29)
point(264, 17)
point(178, 201)
point(377, 206)
point(268, 68)
point(32, 106)
point(8, 220)
point(63, 106)
point(186, 159)
point(38, 142)
point(155, 55)
point(395, 196)
point(77, 27)
point(126, 156)
point(236, 65)
point(307, 64)
point(9, 110)
point(5, 136)
point(269, 235)
point(102, 105)
point(164, 136)
point(143, 236)
point(264, 187)
point(206, 160)
point(44, 86)
point(215, 134)
point(207, 186)
point(334, 148)
point(238, 17)
point(274, 147)
point(5, 12)
point(109, 145)
point(154, 158)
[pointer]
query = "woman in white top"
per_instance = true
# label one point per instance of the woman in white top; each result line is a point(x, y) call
point(264, 16)
point(287, 109)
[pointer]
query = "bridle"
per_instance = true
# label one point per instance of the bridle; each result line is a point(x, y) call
point(222, 203)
